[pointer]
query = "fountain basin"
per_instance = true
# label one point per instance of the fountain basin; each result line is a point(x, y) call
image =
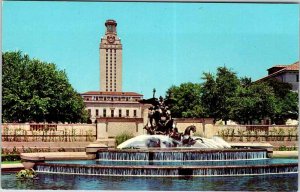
point(180, 154)
point(166, 171)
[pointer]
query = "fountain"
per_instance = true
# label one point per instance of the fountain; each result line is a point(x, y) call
point(164, 152)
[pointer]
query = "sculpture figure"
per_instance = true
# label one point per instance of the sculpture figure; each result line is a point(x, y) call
point(160, 121)
point(159, 116)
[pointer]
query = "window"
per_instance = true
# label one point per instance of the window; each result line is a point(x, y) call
point(112, 113)
point(89, 112)
point(127, 113)
point(104, 112)
point(134, 113)
point(97, 112)
point(297, 78)
point(120, 112)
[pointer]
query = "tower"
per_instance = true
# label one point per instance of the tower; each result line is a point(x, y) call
point(111, 59)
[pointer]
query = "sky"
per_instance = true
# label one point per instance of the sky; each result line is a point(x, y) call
point(164, 44)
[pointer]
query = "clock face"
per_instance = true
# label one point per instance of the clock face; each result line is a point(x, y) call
point(111, 39)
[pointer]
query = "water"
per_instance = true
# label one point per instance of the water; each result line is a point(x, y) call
point(78, 182)
point(181, 155)
point(178, 163)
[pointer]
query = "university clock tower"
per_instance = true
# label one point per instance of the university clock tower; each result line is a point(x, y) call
point(111, 59)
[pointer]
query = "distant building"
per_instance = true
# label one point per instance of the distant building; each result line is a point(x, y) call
point(113, 104)
point(110, 101)
point(285, 73)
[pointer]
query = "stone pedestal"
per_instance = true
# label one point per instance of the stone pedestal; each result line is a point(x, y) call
point(94, 147)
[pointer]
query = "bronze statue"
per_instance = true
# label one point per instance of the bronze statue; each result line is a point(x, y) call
point(159, 116)
point(160, 122)
point(187, 140)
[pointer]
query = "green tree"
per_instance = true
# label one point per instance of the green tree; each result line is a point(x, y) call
point(227, 84)
point(37, 91)
point(286, 101)
point(209, 96)
point(286, 107)
point(217, 92)
point(186, 100)
point(253, 102)
point(245, 81)
point(281, 89)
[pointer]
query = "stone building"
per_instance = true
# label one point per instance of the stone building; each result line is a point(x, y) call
point(285, 73)
point(111, 59)
point(111, 102)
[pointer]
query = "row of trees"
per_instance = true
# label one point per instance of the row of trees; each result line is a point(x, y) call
point(225, 96)
point(36, 91)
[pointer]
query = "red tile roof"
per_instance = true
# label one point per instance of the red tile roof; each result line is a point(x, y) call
point(111, 93)
point(293, 67)
point(285, 68)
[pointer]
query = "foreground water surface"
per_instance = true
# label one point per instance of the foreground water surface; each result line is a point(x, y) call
point(284, 182)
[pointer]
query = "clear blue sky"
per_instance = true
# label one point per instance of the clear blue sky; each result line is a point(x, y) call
point(164, 44)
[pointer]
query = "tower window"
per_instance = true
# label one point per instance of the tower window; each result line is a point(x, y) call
point(127, 113)
point(97, 112)
point(134, 113)
point(112, 113)
point(104, 112)
point(120, 112)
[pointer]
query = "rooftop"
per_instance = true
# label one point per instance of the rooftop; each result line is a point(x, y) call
point(279, 69)
point(108, 93)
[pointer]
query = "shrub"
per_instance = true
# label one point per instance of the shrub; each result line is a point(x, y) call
point(282, 148)
point(123, 137)
point(11, 157)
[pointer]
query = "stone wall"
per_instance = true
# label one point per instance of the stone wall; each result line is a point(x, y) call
point(28, 132)
point(111, 127)
point(204, 126)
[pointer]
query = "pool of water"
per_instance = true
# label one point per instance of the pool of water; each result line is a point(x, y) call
point(284, 182)
point(178, 163)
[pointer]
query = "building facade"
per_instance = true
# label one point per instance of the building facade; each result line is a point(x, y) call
point(111, 103)
point(111, 59)
point(285, 73)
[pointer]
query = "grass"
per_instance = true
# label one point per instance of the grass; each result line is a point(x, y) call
point(10, 162)
point(123, 137)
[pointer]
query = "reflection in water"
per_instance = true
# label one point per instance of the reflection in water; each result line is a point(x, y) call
point(287, 182)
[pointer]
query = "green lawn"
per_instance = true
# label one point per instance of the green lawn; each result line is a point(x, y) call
point(10, 162)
